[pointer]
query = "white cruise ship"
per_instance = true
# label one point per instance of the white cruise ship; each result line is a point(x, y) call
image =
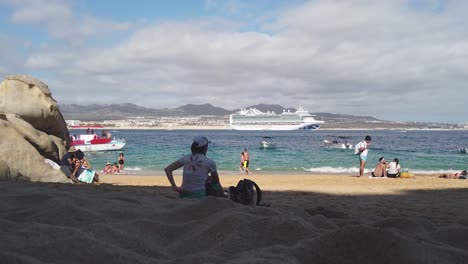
point(253, 119)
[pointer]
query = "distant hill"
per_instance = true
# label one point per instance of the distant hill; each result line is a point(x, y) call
point(122, 111)
point(97, 112)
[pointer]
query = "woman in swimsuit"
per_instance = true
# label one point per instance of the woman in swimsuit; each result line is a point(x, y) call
point(121, 161)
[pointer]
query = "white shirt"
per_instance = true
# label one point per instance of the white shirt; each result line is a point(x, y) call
point(393, 168)
point(363, 144)
point(196, 169)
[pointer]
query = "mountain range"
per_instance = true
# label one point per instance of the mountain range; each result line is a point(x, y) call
point(97, 112)
point(100, 112)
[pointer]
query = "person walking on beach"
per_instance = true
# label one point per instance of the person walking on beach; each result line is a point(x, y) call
point(198, 169)
point(241, 165)
point(246, 160)
point(361, 149)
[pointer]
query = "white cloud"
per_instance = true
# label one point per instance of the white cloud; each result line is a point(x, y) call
point(61, 23)
point(379, 58)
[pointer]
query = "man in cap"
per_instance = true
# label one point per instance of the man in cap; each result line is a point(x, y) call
point(198, 170)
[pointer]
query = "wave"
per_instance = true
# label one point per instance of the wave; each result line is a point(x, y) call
point(335, 170)
point(133, 168)
point(344, 170)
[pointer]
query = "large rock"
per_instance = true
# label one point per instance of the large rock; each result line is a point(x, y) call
point(23, 160)
point(32, 130)
point(31, 100)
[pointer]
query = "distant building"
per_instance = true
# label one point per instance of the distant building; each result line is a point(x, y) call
point(73, 122)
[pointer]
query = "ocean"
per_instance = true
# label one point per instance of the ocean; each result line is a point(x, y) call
point(148, 152)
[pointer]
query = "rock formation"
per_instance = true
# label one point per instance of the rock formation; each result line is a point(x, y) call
point(32, 130)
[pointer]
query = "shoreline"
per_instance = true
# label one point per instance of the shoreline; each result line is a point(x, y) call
point(229, 128)
point(324, 183)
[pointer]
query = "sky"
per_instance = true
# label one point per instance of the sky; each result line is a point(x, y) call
point(399, 60)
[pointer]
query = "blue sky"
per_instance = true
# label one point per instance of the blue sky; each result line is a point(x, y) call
point(392, 59)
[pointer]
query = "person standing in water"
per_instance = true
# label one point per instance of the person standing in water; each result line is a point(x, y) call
point(121, 161)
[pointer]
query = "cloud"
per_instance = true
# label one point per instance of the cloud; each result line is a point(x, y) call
point(386, 59)
point(61, 23)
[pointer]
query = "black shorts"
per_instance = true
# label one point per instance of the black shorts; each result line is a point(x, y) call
point(121, 162)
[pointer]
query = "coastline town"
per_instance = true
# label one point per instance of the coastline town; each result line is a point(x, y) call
point(206, 122)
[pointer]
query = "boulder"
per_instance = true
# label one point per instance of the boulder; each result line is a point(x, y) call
point(32, 131)
point(32, 100)
point(23, 160)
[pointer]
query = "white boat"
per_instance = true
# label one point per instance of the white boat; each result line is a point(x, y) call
point(254, 119)
point(267, 144)
point(464, 150)
point(91, 142)
point(336, 144)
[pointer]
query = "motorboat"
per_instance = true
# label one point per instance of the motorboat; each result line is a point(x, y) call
point(267, 144)
point(464, 150)
point(335, 143)
point(92, 142)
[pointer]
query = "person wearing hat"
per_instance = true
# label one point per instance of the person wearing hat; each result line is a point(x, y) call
point(107, 169)
point(67, 164)
point(198, 169)
point(381, 168)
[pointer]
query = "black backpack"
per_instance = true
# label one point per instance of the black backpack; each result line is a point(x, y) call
point(244, 192)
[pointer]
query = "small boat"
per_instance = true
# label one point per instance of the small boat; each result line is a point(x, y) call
point(464, 150)
point(91, 142)
point(334, 143)
point(267, 144)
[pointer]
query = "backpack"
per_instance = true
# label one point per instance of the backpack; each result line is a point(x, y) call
point(244, 192)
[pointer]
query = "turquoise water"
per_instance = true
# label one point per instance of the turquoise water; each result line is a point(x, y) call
point(149, 151)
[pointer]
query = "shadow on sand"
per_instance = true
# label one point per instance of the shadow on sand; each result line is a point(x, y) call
point(64, 223)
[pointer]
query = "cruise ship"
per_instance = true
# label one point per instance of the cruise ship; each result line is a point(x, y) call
point(254, 119)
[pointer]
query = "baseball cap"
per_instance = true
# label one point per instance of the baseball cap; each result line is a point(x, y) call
point(201, 141)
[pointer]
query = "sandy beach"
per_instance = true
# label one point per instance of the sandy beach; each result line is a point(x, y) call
point(312, 219)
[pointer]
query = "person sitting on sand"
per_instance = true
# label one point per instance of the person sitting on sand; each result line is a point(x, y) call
point(82, 173)
point(394, 169)
point(67, 164)
point(115, 168)
point(107, 169)
point(459, 175)
point(381, 168)
point(197, 167)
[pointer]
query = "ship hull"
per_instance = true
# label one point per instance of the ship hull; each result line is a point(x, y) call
point(310, 126)
point(100, 147)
